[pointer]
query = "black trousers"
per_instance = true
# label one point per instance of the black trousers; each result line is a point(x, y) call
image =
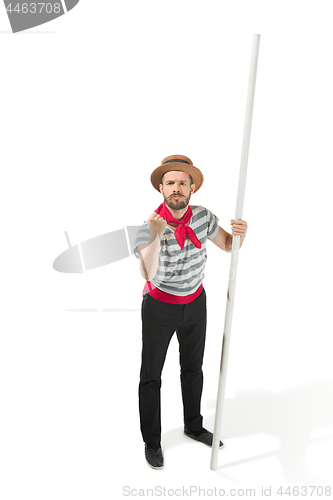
point(159, 322)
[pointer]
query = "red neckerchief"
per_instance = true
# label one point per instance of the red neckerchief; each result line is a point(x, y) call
point(182, 228)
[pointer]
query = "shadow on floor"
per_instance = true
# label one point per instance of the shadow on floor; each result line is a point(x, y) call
point(291, 416)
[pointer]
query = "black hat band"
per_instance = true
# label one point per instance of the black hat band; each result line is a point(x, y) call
point(176, 161)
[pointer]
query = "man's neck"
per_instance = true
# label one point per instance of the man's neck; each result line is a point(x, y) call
point(178, 214)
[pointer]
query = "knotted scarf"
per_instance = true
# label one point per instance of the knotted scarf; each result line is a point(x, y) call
point(182, 228)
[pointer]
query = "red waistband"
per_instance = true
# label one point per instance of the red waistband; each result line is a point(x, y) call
point(157, 294)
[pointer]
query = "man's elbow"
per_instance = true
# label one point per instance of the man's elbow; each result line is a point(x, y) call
point(144, 274)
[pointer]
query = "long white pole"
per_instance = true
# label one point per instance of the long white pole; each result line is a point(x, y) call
point(234, 251)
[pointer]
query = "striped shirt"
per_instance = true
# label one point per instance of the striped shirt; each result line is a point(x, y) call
point(181, 271)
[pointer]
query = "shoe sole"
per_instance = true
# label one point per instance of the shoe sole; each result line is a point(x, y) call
point(196, 439)
point(153, 466)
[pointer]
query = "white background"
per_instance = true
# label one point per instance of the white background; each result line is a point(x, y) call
point(90, 105)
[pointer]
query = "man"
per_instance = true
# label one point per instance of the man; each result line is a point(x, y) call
point(171, 246)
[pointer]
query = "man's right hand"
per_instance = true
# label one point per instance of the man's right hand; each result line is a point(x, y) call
point(155, 221)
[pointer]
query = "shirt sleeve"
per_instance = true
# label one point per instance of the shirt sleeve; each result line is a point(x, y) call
point(213, 226)
point(142, 236)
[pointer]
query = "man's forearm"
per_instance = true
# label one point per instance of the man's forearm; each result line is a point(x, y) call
point(228, 243)
point(150, 256)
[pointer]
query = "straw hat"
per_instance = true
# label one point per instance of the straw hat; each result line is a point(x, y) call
point(176, 162)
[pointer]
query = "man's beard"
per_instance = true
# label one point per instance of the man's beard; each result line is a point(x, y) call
point(177, 204)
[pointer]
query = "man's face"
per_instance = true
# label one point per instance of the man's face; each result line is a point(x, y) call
point(176, 189)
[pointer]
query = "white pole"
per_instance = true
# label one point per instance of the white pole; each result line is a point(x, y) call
point(234, 251)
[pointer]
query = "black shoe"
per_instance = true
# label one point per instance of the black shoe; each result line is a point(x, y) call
point(204, 437)
point(154, 457)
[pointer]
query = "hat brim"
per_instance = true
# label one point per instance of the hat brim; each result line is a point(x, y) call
point(194, 172)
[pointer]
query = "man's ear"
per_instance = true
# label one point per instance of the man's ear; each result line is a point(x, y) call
point(161, 188)
point(192, 188)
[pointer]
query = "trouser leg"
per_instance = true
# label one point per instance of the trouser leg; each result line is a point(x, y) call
point(159, 321)
point(191, 336)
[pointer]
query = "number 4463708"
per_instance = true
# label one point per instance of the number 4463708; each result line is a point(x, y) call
point(318, 491)
point(33, 8)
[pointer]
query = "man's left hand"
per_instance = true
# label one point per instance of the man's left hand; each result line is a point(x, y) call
point(239, 227)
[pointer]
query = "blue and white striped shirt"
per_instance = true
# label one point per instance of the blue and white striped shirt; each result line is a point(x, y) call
point(181, 271)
